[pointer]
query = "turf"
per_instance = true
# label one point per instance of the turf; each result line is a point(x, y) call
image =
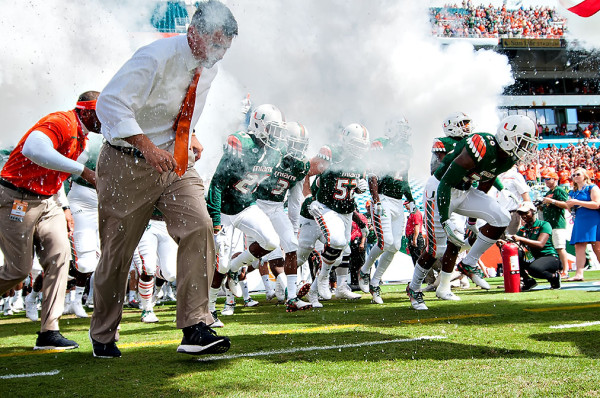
point(489, 343)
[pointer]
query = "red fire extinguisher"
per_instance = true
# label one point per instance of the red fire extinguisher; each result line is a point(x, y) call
point(510, 264)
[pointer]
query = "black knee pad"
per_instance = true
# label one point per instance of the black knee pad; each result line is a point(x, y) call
point(330, 254)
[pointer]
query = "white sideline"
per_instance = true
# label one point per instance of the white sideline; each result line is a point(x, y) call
point(304, 349)
point(51, 373)
point(575, 325)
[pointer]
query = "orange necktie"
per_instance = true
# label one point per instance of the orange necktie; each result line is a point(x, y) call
point(182, 125)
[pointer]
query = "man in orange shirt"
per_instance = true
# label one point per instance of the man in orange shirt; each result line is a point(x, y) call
point(564, 174)
point(30, 214)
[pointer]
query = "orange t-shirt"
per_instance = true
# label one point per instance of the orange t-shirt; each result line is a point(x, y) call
point(530, 174)
point(564, 176)
point(597, 177)
point(69, 140)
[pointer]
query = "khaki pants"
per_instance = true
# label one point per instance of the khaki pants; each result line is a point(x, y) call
point(128, 190)
point(43, 227)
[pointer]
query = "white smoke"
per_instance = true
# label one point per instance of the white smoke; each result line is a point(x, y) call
point(52, 51)
point(330, 63)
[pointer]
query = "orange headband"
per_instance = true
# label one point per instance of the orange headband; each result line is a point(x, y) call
point(86, 104)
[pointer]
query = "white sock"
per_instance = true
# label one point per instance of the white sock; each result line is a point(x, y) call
point(373, 255)
point(479, 247)
point(341, 276)
point(384, 262)
point(266, 282)
point(245, 291)
point(243, 260)
point(291, 286)
point(282, 280)
point(79, 293)
point(91, 292)
point(418, 275)
point(445, 279)
point(18, 293)
point(213, 293)
point(145, 289)
point(131, 295)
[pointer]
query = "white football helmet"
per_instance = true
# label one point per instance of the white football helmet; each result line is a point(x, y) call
point(398, 129)
point(355, 140)
point(267, 124)
point(517, 136)
point(297, 140)
point(457, 125)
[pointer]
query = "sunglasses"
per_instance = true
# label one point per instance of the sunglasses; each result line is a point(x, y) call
point(577, 175)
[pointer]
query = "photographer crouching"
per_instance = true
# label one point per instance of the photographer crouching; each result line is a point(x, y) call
point(537, 256)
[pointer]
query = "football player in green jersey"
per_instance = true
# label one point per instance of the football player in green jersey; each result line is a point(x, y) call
point(287, 177)
point(456, 126)
point(248, 159)
point(480, 157)
point(340, 171)
point(388, 183)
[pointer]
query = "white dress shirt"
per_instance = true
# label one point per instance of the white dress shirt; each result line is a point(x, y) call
point(145, 95)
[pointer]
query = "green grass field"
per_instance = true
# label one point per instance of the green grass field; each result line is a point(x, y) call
point(489, 343)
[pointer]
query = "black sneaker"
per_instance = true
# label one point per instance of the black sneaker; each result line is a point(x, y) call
point(555, 281)
point(53, 340)
point(200, 339)
point(101, 350)
point(528, 284)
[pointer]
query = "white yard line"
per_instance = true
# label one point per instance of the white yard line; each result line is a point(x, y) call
point(315, 348)
point(51, 373)
point(575, 325)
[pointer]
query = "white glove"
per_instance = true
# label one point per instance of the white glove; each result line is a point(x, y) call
point(412, 207)
point(452, 233)
point(378, 210)
point(315, 209)
point(362, 186)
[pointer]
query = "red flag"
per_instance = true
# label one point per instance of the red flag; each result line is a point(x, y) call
point(585, 8)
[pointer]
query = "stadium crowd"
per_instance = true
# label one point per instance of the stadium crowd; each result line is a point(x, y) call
point(475, 21)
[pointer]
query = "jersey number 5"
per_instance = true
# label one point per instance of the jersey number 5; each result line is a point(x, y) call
point(344, 188)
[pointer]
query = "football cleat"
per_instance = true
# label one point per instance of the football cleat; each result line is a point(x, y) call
point(343, 292)
point(474, 273)
point(416, 299)
point(228, 310)
point(295, 304)
point(313, 299)
point(446, 295)
point(364, 280)
point(323, 285)
point(376, 293)
point(303, 291)
point(77, 309)
point(148, 316)
point(250, 303)
point(217, 323)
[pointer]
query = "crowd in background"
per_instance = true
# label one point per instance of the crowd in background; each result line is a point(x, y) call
point(591, 130)
point(468, 20)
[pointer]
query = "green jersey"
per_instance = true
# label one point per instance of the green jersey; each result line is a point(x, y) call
point(484, 151)
point(443, 145)
point(285, 175)
point(242, 168)
point(91, 151)
point(337, 183)
point(393, 162)
point(554, 214)
point(533, 232)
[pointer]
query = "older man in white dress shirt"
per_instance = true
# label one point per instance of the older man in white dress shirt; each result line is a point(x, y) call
point(160, 89)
